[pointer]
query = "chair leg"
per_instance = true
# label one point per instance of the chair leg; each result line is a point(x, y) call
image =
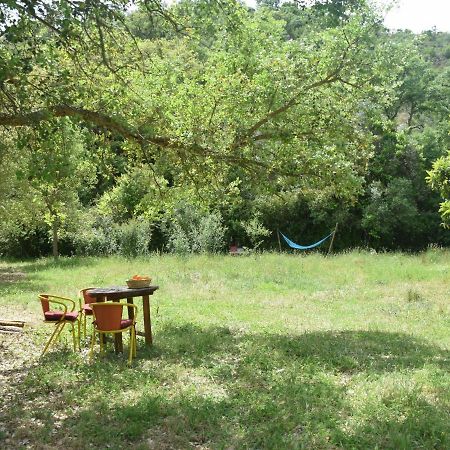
point(92, 345)
point(131, 351)
point(52, 337)
point(134, 342)
point(74, 337)
point(63, 324)
point(102, 343)
point(79, 335)
point(84, 324)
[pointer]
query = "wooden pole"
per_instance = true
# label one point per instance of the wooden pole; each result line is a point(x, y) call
point(10, 329)
point(332, 240)
point(279, 242)
point(12, 323)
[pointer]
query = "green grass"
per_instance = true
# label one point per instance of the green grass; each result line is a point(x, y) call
point(270, 351)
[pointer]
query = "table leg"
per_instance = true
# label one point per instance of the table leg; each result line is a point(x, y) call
point(147, 321)
point(130, 309)
point(118, 343)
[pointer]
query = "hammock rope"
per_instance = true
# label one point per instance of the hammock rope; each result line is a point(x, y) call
point(304, 247)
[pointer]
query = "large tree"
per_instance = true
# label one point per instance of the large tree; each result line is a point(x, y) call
point(228, 91)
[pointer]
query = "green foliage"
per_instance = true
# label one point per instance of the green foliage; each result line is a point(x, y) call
point(99, 235)
point(439, 179)
point(255, 230)
point(391, 212)
point(46, 177)
point(231, 92)
point(95, 236)
point(136, 193)
point(191, 230)
point(133, 238)
point(132, 111)
point(56, 169)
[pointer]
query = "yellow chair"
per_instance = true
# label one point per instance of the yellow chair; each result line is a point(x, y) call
point(59, 317)
point(108, 319)
point(85, 306)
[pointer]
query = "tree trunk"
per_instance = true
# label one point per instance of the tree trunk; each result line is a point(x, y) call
point(55, 238)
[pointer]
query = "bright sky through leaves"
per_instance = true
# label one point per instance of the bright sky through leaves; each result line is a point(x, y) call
point(419, 15)
point(415, 15)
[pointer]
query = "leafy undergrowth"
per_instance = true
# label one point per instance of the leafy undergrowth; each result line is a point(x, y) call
point(345, 352)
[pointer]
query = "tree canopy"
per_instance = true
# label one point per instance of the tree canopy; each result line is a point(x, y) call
point(218, 102)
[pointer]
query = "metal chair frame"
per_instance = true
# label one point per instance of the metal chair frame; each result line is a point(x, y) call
point(83, 315)
point(132, 328)
point(61, 322)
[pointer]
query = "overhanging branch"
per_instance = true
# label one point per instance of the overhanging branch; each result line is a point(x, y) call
point(121, 127)
point(102, 120)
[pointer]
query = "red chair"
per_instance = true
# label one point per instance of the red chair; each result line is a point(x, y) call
point(85, 306)
point(59, 317)
point(108, 319)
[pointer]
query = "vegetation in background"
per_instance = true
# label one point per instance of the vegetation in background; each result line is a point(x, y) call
point(439, 179)
point(300, 114)
point(192, 231)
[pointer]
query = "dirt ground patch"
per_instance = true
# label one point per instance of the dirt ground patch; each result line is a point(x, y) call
point(10, 275)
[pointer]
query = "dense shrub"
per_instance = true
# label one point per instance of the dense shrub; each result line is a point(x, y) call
point(133, 238)
point(19, 242)
point(97, 238)
point(104, 237)
point(193, 231)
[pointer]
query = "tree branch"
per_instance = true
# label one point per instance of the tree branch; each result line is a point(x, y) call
point(97, 118)
point(276, 112)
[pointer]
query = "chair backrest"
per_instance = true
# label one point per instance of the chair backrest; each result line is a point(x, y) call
point(44, 303)
point(57, 303)
point(86, 297)
point(107, 315)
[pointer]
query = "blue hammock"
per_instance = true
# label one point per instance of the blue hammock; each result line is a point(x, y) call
point(304, 247)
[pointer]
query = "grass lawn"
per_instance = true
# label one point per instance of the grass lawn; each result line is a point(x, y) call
point(270, 351)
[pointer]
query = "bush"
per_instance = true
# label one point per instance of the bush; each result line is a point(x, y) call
point(103, 237)
point(19, 242)
point(255, 230)
point(391, 216)
point(97, 238)
point(194, 231)
point(133, 238)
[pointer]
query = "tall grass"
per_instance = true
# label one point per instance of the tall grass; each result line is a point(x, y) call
point(261, 351)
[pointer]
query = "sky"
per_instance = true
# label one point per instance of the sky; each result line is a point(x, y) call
point(415, 15)
point(419, 15)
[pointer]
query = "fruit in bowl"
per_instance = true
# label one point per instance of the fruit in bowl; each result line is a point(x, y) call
point(140, 277)
point(138, 281)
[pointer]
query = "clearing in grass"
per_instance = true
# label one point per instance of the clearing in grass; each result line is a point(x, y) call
point(265, 351)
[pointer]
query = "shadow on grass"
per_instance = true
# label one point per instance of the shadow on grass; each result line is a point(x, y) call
point(342, 351)
point(40, 264)
point(213, 388)
point(43, 264)
point(22, 276)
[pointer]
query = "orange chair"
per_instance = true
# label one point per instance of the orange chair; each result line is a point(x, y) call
point(108, 319)
point(59, 317)
point(85, 306)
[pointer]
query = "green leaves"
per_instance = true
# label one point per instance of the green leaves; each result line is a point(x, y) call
point(439, 180)
point(231, 102)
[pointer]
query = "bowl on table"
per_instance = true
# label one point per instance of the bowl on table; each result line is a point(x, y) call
point(140, 283)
